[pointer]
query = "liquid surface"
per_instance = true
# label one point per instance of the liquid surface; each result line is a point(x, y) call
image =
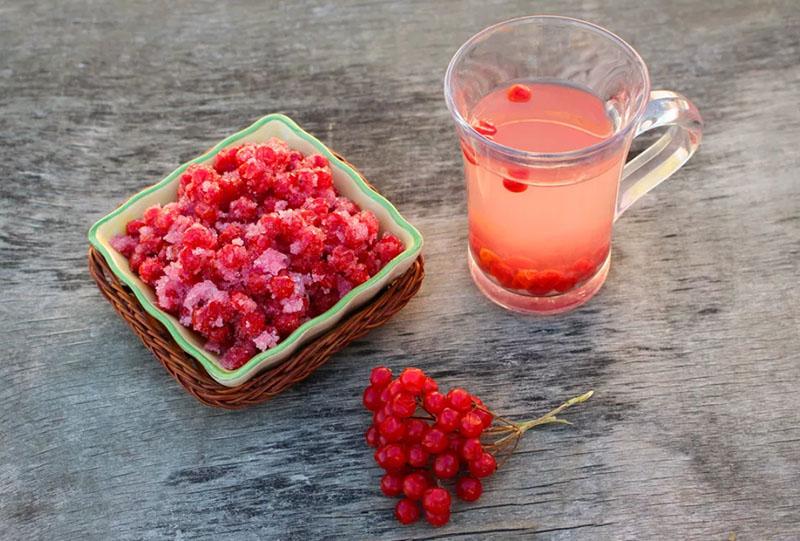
point(541, 231)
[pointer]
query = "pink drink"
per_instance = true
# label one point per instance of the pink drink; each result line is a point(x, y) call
point(541, 231)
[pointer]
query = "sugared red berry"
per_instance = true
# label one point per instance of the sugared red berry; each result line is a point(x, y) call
point(406, 511)
point(459, 399)
point(414, 485)
point(413, 380)
point(445, 465)
point(380, 376)
point(392, 484)
point(469, 489)
point(483, 466)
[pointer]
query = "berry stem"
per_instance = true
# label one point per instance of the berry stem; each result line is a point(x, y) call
point(506, 433)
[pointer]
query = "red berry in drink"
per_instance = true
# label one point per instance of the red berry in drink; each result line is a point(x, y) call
point(403, 405)
point(469, 489)
point(459, 399)
point(434, 402)
point(484, 127)
point(437, 519)
point(469, 154)
point(471, 449)
point(372, 436)
point(414, 485)
point(519, 93)
point(413, 379)
point(406, 511)
point(392, 484)
point(436, 500)
point(483, 466)
point(418, 456)
point(392, 428)
point(435, 441)
point(372, 399)
point(445, 465)
point(380, 377)
point(514, 186)
point(448, 420)
point(470, 425)
point(415, 430)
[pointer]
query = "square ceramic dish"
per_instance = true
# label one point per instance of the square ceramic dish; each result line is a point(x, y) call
point(347, 182)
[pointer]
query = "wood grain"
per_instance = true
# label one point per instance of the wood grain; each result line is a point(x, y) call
point(692, 345)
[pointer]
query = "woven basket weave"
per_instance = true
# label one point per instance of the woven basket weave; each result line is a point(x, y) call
point(269, 382)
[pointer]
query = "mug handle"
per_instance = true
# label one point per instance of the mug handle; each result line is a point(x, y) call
point(668, 154)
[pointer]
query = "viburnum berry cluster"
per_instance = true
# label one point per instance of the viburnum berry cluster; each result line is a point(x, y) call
point(258, 242)
point(428, 439)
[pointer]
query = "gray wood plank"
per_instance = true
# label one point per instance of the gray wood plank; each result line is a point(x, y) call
point(692, 345)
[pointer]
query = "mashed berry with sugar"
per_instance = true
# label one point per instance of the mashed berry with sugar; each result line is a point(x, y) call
point(257, 243)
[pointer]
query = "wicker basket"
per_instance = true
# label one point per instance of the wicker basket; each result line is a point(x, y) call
point(271, 381)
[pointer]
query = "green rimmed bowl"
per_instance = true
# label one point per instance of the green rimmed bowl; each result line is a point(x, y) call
point(347, 182)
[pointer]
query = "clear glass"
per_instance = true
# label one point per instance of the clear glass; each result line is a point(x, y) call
point(540, 223)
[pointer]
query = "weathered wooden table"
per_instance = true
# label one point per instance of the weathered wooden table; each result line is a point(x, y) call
point(693, 345)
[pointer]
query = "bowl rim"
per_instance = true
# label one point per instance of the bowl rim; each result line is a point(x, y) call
point(241, 374)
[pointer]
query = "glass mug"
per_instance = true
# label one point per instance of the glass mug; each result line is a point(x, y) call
point(546, 108)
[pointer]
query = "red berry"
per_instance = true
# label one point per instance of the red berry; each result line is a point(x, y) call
point(470, 425)
point(418, 456)
point(519, 93)
point(437, 519)
point(434, 402)
point(380, 377)
point(430, 386)
point(392, 428)
point(436, 500)
point(413, 379)
point(379, 416)
point(404, 405)
point(459, 399)
point(486, 417)
point(394, 457)
point(406, 511)
point(447, 420)
point(483, 466)
point(484, 127)
point(445, 465)
point(469, 489)
point(514, 186)
point(415, 430)
point(372, 436)
point(392, 484)
point(471, 449)
point(372, 399)
point(394, 387)
point(435, 441)
point(414, 485)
